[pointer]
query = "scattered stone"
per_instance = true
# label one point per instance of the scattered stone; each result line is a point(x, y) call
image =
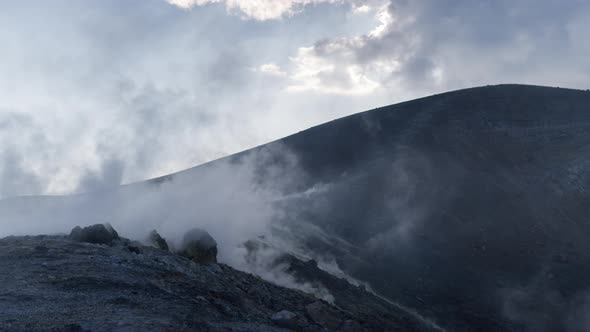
point(222, 307)
point(121, 301)
point(285, 318)
point(72, 328)
point(41, 249)
point(157, 241)
point(199, 246)
point(323, 315)
point(98, 234)
point(215, 268)
point(109, 288)
point(134, 249)
point(351, 326)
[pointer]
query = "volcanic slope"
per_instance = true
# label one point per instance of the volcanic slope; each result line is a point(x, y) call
point(469, 206)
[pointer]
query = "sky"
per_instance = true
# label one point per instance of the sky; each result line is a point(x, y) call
point(98, 93)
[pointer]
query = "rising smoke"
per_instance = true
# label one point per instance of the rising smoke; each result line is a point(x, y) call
point(233, 199)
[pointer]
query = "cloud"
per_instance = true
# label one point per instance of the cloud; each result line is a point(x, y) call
point(19, 175)
point(271, 69)
point(111, 84)
point(234, 201)
point(361, 9)
point(109, 176)
point(335, 65)
point(256, 9)
point(78, 93)
point(329, 67)
point(98, 93)
point(160, 90)
point(15, 179)
point(441, 45)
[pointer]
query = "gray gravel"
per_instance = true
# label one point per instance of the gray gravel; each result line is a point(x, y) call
point(51, 283)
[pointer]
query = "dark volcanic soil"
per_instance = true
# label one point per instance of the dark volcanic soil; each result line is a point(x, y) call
point(471, 206)
point(53, 283)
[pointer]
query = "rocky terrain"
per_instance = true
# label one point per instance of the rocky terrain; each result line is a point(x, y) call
point(101, 282)
point(470, 207)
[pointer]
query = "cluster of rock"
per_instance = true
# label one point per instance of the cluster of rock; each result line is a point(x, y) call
point(320, 313)
point(197, 244)
point(370, 312)
point(98, 234)
point(157, 241)
point(96, 280)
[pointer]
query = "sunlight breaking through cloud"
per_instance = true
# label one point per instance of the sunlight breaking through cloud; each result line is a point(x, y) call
point(256, 9)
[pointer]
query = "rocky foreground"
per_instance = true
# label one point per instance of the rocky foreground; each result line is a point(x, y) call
point(65, 283)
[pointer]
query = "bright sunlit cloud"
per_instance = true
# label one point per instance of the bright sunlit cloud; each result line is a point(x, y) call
point(256, 9)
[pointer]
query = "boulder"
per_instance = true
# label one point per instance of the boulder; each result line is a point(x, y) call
point(98, 234)
point(285, 318)
point(324, 315)
point(134, 249)
point(157, 241)
point(199, 246)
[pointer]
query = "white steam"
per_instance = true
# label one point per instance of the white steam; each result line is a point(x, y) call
point(232, 199)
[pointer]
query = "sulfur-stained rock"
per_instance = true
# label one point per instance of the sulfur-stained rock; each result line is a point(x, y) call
point(98, 234)
point(158, 241)
point(199, 246)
